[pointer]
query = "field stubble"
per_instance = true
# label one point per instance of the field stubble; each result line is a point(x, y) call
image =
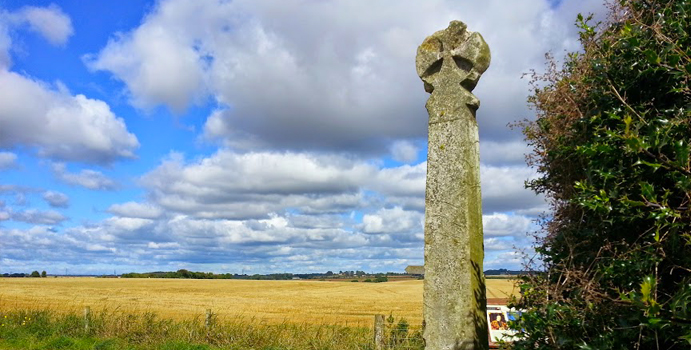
point(273, 302)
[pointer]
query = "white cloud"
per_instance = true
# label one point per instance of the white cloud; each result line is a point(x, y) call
point(498, 225)
point(342, 79)
point(91, 179)
point(145, 59)
point(511, 260)
point(136, 210)
point(503, 189)
point(47, 117)
point(304, 113)
point(56, 199)
point(61, 126)
point(497, 244)
point(8, 160)
point(404, 151)
point(402, 181)
point(392, 221)
point(33, 216)
point(503, 153)
point(50, 22)
point(251, 185)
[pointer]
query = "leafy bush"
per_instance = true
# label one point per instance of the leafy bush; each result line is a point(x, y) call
point(611, 144)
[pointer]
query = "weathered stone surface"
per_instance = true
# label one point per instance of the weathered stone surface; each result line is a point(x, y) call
point(450, 63)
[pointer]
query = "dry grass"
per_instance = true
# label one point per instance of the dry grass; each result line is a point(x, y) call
point(311, 302)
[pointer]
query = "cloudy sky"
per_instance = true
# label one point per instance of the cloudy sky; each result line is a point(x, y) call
point(255, 136)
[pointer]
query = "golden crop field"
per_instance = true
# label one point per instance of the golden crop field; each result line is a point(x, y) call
point(316, 302)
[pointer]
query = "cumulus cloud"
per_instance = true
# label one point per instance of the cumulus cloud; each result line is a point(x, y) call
point(497, 225)
point(19, 193)
point(251, 205)
point(56, 199)
point(136, 210)
point(33, 216)
point(241, 186)
point(47, 117)
point(281, 85)
point(42, 243)
point(7, 160)
point(271, 244)
point(404, 151)
point(50, 22)
point(63, 126)
point(87, 178)
point(503, 190)
point(506, 153)
point(511, 259)
point(393, 220)
point(234, 185)
point(304, 114)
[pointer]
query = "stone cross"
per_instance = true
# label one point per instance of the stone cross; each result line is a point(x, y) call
point(450, 63)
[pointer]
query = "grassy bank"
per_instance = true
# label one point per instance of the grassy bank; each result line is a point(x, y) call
point(44, 329)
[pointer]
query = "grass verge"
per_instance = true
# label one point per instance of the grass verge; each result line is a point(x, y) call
point(110, 330)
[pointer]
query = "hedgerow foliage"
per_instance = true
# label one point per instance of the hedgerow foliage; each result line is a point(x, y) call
point(611, 144)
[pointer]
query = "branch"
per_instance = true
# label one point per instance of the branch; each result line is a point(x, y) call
point(624, 102)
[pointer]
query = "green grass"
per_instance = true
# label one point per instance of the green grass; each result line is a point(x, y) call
point(110, 330)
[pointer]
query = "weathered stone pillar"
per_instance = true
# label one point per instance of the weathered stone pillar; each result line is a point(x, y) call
point(450, 63)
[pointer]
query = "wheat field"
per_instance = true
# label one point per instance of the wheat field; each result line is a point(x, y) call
point(312, 302)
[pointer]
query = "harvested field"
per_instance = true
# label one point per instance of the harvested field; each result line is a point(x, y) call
point(313, 302)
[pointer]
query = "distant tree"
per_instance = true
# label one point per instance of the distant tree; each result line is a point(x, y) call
point(35, 274)
point(329, 273)
point(43, 273)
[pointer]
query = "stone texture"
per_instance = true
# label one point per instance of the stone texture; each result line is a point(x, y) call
point(450, 63)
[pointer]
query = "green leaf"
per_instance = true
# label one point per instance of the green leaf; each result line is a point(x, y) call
point(651, 56)
point(647, 190)
point(682, 151)
point(654, 320)
point(655, 166)
point(646, 288)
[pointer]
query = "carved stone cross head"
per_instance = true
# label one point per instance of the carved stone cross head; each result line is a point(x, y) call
point(453, 60)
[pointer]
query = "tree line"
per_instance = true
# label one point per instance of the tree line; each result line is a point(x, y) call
point(32, 274)
point(182, 273)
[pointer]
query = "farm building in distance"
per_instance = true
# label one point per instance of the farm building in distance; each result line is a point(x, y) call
point(415, 270)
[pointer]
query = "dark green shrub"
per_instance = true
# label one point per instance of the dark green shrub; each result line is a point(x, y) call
point(611, 144)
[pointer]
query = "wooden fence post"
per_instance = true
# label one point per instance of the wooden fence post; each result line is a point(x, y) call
point(379, 343)
point(207, 322)
point(87, 318)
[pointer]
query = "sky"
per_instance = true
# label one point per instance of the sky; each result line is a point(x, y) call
point(250, 136)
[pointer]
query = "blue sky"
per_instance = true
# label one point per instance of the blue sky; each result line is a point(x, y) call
point(256, 136)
